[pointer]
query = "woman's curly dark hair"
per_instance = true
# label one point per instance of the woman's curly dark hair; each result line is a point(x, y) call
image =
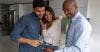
point(49, 23)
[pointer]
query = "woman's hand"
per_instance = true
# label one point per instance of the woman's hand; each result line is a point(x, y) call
point(43, 25)
point(60, 17)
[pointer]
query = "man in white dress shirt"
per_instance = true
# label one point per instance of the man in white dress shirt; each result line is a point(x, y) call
point(79, 31)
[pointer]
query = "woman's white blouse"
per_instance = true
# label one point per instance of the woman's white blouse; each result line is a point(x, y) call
point(53, 34)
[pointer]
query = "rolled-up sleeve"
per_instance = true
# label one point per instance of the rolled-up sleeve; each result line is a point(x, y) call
point(18, 29)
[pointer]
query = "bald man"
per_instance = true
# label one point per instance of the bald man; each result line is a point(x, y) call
point(78, 34)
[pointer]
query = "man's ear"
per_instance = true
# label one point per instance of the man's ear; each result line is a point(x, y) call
point(76, 7)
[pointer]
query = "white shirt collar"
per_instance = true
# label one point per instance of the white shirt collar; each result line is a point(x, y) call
point(78, 13)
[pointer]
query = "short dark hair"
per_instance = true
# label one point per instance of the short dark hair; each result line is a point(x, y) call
point(38, 3)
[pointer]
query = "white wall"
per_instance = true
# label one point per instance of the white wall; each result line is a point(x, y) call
point(57, 6)
point(25, 9)
point(83, 4)
point(94, 14)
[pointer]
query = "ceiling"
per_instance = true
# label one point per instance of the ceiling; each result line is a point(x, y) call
point(14, 1)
